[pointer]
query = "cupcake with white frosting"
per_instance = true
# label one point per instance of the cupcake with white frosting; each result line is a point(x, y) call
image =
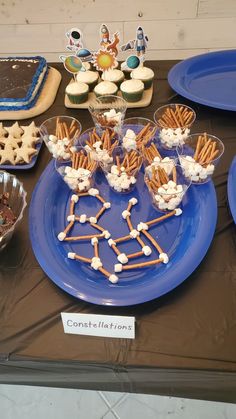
point(115, 76)
point(105, 88)
point(132, 90)
point(88, 77)
point(77, 92)
point(146, 75)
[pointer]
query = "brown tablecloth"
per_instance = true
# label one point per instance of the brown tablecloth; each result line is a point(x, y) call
point(185, 341)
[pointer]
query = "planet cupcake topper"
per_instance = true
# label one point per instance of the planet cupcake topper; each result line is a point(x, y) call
point(72, 64)
point(106, 42)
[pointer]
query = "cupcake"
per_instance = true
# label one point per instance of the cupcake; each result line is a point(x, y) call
point(105, 88)
point(115, 76)
point(77, 92)
point(146, 75)
point(88, 77)
point(132, 90)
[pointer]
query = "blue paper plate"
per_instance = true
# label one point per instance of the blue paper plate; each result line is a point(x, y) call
point(24, 166)
point(231, 188)
point(209, 79)
point(185, 238)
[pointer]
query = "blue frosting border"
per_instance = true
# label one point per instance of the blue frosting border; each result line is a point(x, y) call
point(42, 64)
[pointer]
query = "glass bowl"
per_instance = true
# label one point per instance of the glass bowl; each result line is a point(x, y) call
point(196, 168)
point(137, 132)
point(100, 143)
point(60, 133)
point(122, 172)
point(11, 186)
point(174, 122)
point(108, 111)
point(167, 195)
point(79, 172)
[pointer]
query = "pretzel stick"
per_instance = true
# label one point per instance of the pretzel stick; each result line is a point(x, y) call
point(100, 212)
point(135, 255)
point(82, 258)
point(141, 265)
point(88, 237)
point(174, 174)
point(68, 227)
point(153, 241)
point(96, 253)
point(163, 217)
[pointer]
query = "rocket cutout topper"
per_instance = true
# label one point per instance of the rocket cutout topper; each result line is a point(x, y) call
point(139, 46)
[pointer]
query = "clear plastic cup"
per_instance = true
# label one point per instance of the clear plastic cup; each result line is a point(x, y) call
point(122, 177)
point(169, 195)
point(173, 133)
point(60, 134)
point(132, 128)
point(10, 185)
point(75, 173)
point(108, 111)
point(194, 170)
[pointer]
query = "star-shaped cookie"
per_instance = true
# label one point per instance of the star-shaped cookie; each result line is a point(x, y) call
point(23, 154)
point(7, 155)
point(3, 132)
point(10, 141)
point(30, 129)
point(29, 140)
point(15, 130)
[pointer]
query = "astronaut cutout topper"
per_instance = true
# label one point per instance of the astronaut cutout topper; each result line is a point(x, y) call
point(74, 36)
point(139, 44)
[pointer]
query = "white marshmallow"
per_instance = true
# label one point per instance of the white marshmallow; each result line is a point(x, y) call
point(94, 240)
point(147, 250)
point(71, 218)
point(83, 218)
point(142, 226)
point(134, 233)
point(71, 255)
point(93, 192)
point(178, 211)
point(106, 234)
point(164, 257)
point(61, 236)
point(122, 258)
point(107, 205)
point(93, 220)
point(113, 278)
point(74, 198)
point(133, 201)
point(118, 267)
point(125, 214)
point(96, 263)
point(111, 242)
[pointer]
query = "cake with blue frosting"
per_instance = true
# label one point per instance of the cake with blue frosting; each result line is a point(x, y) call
point(21, 81)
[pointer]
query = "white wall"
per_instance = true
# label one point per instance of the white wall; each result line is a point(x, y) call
point(176, 28)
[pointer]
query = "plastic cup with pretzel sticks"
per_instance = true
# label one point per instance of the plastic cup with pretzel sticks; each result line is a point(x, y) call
point(199, 156)
point(100, 142)
point(78, 172)
point(60, 134)
point(152, 158)
point(137, 133)
point(108, 111)
point(167, 187)
point(122, 173)
point(174, 122)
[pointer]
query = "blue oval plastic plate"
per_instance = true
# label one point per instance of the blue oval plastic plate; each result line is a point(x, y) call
point(209, 79)
point(231, 188)
point(185, 238)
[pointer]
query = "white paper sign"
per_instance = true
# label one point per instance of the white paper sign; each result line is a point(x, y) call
point(99, 325)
